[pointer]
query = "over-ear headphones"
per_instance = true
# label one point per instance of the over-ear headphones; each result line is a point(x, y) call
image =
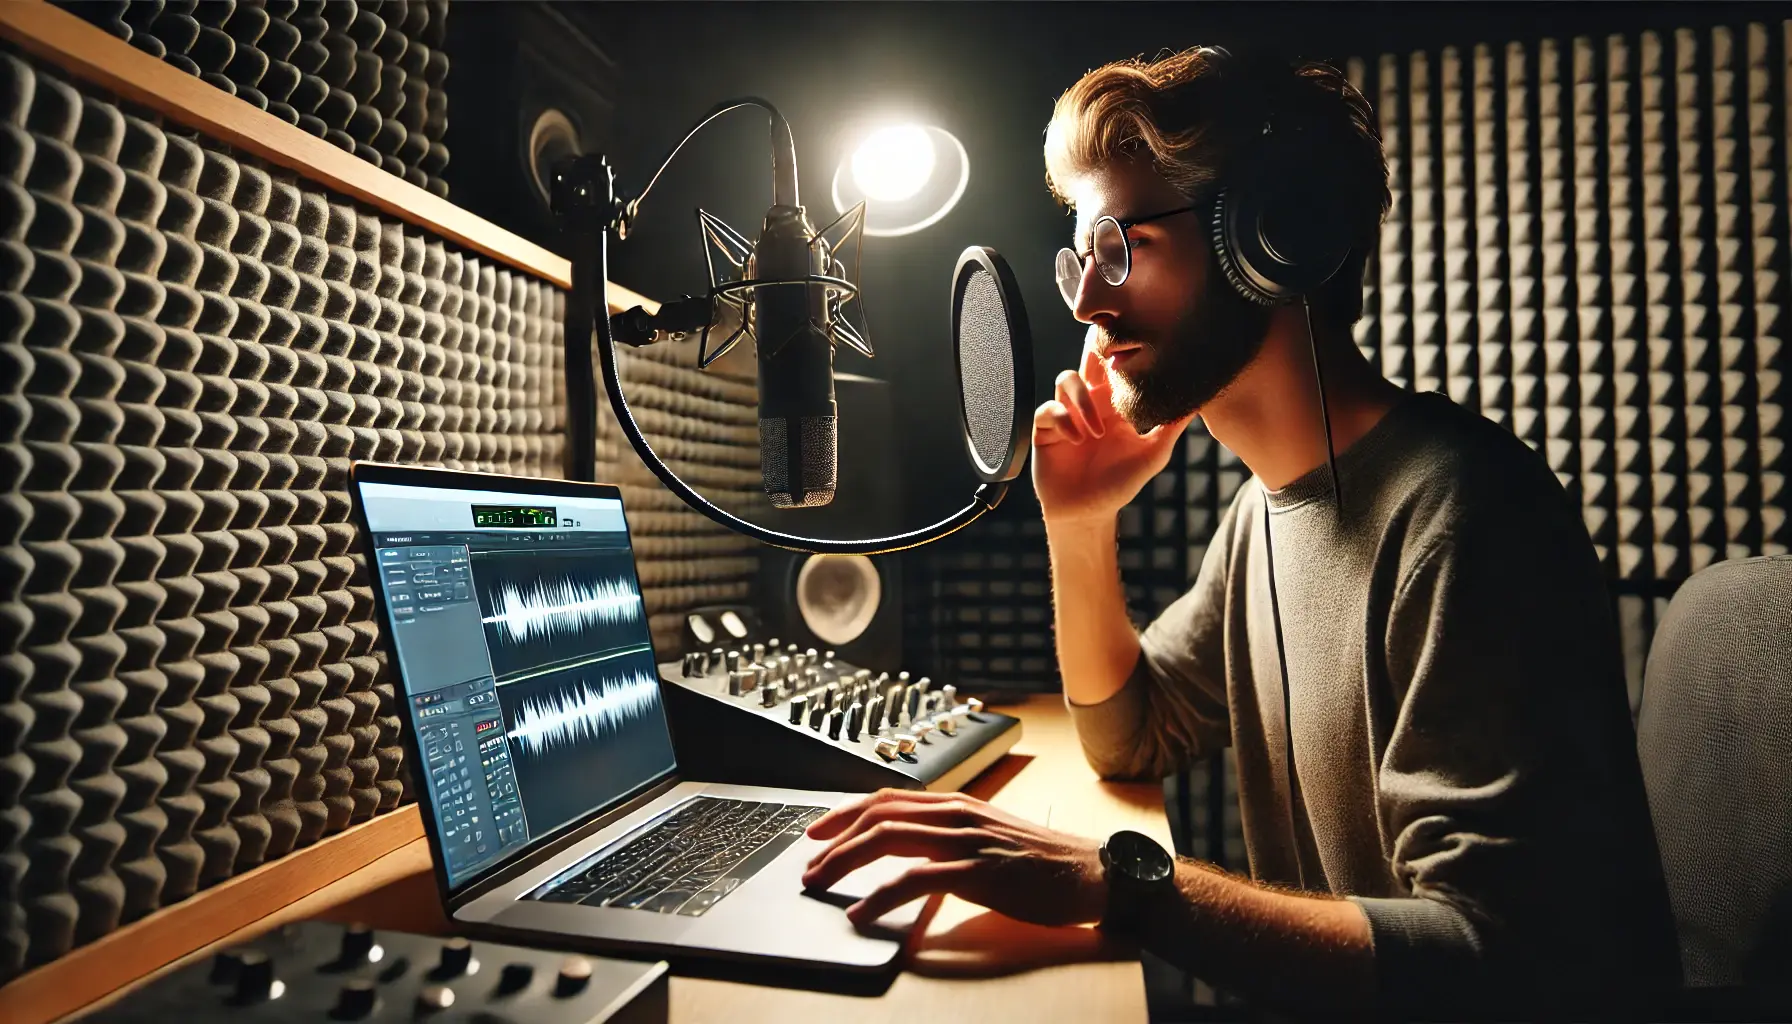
point(1276, 229)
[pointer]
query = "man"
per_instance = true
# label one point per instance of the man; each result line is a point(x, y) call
point(1464, 827)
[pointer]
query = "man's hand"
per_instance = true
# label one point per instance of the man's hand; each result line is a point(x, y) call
point(975, 851)
point(1088, 462)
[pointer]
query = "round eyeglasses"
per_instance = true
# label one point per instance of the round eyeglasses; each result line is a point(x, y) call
point(1112, 252)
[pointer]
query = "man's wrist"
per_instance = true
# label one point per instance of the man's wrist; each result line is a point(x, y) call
point(1081, 533)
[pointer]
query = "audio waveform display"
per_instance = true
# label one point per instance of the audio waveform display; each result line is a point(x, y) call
point(559, 608)
point(582, 737)
point(584, 713)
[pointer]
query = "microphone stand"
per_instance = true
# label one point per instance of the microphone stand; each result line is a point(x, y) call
point(586, 202)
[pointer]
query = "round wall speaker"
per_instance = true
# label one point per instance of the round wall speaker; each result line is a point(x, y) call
point(838, 596)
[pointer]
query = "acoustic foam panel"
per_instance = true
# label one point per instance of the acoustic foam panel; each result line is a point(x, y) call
point(192, 348)
point(367, 76)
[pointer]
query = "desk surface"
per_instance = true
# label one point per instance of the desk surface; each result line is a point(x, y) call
point(967, 964)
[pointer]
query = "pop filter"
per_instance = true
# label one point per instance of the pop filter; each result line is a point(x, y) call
point(993, 350)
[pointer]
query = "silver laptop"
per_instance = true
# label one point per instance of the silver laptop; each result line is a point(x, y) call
point(543, 759)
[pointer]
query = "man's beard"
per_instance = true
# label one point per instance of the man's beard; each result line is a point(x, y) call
point(1207, 349)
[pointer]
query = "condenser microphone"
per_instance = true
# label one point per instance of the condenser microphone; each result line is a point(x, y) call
point(790, 300)
point(798, 429)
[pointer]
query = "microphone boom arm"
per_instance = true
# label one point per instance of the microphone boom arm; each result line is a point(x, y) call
point(585, 198)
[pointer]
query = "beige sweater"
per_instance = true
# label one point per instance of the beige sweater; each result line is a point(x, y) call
point(1466, 766)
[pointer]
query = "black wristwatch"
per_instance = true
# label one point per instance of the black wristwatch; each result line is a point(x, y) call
point(1138, 870)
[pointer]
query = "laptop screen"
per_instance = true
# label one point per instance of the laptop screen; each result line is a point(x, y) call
point(525, 664)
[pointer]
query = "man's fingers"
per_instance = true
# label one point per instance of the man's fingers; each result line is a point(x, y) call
point(891, 839)
point(1095, 372)
point(918, 881)
point(837, 820)
point(1052, 423)
point(940, 813)
point(1073, 394)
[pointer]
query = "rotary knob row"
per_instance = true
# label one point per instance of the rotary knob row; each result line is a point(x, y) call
point(251, 976)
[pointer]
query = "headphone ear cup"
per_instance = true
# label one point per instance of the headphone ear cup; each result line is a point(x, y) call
point(1227, 211)
point(1278, 238)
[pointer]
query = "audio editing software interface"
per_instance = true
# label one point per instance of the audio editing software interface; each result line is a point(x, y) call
point(526, 661)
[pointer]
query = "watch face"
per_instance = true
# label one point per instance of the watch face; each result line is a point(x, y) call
point(1138, 857)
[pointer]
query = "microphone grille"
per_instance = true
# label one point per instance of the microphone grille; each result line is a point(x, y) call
point(817, 451)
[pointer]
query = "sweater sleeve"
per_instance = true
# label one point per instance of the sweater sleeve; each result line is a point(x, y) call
point(1172, 709)
point(1509, 797)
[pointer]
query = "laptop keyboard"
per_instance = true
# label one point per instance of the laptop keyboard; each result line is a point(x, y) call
point(689, 861)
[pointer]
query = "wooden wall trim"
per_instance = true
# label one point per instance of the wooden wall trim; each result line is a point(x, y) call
point(90, 972)
point(90, 53)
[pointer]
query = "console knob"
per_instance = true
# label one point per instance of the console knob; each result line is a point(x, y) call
point(817, 713)
point(457, 958)
point(733, 661)
point(923, 684)
point(946, 724)
point(790, 648)
point(974, 705)
point(690, 661)
point(905, 744)
point(772, 644)
point(758, 652)
point(950, 694)
point(575, 974)
point(829, 655)
point(737, 683)
point(836, 718)
point(921, 728)
point(902, 676)
point(357, 942)
point(716, 654)
point(874, 714)
point(356, 1000)
point(434, 999)
point(886, 748)
point(255, 977)
point(798, 705)
point(515, 977)
point(768, 696)
point(863, 673)
point(855, 720)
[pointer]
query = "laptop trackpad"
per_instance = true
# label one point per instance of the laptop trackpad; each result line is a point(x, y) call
point(866, 880)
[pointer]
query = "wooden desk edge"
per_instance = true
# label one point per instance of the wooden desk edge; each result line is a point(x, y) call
point(88, 52)
point(142, 947)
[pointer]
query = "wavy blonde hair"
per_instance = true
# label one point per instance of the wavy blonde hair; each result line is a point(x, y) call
point(1189, 113)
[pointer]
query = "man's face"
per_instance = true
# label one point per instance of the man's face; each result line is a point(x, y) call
point(1174, 334)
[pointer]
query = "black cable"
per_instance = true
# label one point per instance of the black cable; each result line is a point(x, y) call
point(784, 183)
point(1331, 454)
point(1275, 610)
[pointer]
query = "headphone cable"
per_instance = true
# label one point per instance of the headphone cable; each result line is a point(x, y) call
point(1331, 455)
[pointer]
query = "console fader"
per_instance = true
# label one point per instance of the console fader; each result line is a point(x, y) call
point(767, 714)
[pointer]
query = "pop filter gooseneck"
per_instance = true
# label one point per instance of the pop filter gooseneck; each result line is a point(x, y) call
point(992, 348)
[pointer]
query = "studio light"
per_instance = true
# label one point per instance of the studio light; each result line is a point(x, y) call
point(908, 175)
point(893, 163)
